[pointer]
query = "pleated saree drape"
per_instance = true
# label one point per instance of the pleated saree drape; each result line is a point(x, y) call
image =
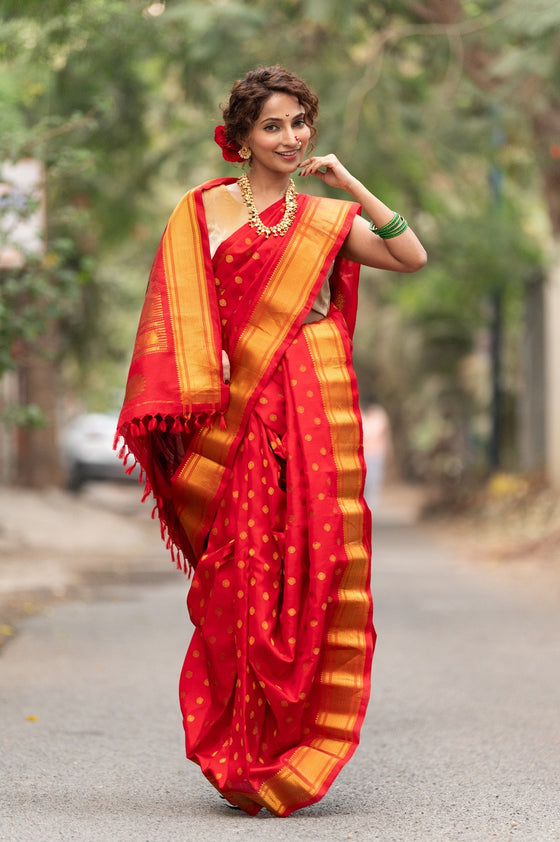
point(259, 488)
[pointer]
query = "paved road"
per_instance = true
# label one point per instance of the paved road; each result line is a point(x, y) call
point(461, 742)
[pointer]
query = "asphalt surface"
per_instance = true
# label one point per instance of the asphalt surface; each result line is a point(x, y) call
point(461, 741)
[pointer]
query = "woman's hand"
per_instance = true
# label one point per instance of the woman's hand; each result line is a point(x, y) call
point(329, 169)
point(226, 368)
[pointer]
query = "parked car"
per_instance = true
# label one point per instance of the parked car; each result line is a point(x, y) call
point(87, 451)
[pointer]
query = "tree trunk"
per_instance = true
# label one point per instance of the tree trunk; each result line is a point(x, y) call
point(532, 444)
point(9, 395)
point(552, 340)
point(38, 457)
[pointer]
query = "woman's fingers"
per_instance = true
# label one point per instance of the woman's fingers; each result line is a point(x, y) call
point(313, 165)
point(326, 167)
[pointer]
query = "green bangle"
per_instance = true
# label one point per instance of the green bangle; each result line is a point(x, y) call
point(403, 225)
point(393, 228)
point(383, 229)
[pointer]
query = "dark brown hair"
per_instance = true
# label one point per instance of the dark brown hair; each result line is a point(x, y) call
point(249, 94)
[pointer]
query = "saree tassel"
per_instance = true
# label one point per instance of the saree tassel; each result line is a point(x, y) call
point(130, 468)
point(223, 425)
point(187, 566)
point(152, 424)
point(208, 422)
point(126, 457)
point(154, 511)
point(122, 452)
point(146, 494)
point(163, 425)
point(135, 429)
point(177, 426)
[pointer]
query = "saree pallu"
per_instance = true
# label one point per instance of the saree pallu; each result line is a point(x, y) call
point(259, 489)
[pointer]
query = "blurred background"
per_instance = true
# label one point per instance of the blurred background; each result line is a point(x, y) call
point(449, 111)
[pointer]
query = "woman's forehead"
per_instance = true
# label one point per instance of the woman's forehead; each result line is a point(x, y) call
point(280, 105)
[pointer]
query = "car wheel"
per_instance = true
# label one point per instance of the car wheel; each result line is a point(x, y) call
point(76, 479)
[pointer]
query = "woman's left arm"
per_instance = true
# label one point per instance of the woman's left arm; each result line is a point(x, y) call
point(403, 253)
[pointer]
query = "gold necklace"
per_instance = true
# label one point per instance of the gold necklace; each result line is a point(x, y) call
point(255, 221)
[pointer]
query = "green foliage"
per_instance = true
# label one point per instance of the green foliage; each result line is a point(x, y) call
point(31, 299)
point(29, 416)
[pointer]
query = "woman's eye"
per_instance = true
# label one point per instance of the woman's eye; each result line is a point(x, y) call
point(299, 123)
point(271, 126)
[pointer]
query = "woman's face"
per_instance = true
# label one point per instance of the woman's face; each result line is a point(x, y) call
point(272, 140)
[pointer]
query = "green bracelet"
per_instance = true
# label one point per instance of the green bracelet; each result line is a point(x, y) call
point(393, 228)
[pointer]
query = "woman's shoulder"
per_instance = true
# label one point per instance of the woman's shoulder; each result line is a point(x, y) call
point(215, 187)
point(327, 200)
point(205, 186)
point(218, 194)
point(224, 211)
point(215, 184)
point(329, 205)
point(223, 202)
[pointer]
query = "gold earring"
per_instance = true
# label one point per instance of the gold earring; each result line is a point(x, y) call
point(245, 153)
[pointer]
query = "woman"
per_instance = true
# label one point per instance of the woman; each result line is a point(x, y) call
point(242, 408)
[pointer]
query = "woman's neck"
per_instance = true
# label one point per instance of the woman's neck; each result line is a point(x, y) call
point(267, 187)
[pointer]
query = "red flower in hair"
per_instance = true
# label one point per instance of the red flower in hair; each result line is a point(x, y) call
point(230, 151)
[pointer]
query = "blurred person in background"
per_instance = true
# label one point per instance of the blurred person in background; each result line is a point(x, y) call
point(242, 409)
point(377, 450)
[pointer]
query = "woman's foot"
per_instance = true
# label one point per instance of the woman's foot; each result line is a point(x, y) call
point(231, 806)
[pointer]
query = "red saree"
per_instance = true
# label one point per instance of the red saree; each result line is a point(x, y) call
point(261, 492)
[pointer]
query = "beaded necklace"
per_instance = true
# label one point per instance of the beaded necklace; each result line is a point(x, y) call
point(255, 221)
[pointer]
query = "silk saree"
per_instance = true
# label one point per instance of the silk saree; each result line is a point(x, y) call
point(259, 490)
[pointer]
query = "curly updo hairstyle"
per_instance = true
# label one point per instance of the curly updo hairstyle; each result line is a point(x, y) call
point(249, 94)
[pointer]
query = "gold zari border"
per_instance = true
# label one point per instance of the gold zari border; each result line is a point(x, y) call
point(198, 364)
point(344, 659)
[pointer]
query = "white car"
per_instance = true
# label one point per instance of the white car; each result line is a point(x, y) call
point(87, 451)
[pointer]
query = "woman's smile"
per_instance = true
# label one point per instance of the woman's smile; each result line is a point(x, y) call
point(290, 155)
